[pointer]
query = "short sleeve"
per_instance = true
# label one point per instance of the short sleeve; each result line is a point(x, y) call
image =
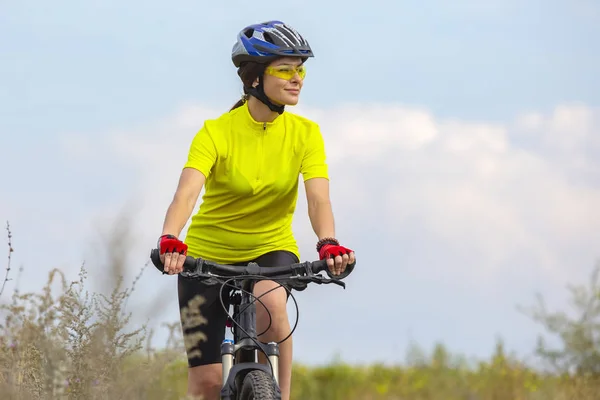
point(203, 153)
point(313, 162)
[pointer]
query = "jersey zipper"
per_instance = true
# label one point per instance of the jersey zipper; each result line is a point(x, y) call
point(261, 145)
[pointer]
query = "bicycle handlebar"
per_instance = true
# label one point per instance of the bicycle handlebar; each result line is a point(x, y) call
point(200, 268)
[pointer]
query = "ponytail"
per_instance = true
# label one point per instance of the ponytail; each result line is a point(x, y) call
point(241, 101)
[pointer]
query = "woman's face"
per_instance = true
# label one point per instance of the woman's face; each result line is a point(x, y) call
point(283, 80)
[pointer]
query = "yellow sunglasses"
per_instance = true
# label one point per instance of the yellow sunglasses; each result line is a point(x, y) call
point(286, 72)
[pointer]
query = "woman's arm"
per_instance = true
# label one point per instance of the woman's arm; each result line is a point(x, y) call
point(178, 213)
point(190, 184)
point(319, 207)
point(321, 219)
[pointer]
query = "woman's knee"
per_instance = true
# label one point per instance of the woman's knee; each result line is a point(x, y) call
point(272, 307)
point(205, 380)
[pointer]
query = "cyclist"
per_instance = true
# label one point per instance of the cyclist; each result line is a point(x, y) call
point(249, 160)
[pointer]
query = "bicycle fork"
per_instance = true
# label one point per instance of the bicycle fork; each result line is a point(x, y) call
point(247, 343)
point(228, 349)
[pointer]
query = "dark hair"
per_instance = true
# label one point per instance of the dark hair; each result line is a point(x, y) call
point(248, 72)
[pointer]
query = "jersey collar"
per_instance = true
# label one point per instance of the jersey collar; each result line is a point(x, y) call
point(260, 126)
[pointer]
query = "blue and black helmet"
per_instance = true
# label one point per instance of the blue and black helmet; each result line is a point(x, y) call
point(267, 41)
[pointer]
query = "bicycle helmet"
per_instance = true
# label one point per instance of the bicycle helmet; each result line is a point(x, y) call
point(267, 41)
point(263, 43)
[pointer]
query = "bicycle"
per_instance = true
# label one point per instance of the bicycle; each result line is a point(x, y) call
point(244, 378)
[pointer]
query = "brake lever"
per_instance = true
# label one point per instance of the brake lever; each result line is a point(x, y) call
point(336, 281)
point(313, 279)
point(320, 279)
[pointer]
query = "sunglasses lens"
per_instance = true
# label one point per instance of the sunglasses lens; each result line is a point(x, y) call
point(287, 73)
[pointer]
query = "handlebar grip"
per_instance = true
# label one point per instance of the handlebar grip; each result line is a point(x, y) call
point(343, 275)
point(318, 266)
point(155, 258)
point(189, 264)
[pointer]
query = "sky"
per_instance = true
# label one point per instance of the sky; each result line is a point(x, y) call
point(463, 140)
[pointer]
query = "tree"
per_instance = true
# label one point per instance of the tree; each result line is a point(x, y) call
point(579, 334)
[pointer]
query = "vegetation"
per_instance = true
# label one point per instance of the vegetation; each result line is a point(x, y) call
point(76, 345)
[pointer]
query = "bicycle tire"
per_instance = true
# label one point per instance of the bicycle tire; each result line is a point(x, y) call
point(258, 385)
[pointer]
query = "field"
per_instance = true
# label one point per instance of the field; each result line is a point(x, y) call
point(73, 344)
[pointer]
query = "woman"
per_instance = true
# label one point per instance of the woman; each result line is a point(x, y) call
point(249, 160)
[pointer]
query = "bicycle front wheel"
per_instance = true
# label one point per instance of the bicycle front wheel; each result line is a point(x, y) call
point(258, 385)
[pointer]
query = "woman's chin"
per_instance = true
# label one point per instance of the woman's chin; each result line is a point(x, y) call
point(286, 99)
point(291, 99)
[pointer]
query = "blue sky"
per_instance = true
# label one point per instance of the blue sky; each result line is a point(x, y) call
point(519, 80)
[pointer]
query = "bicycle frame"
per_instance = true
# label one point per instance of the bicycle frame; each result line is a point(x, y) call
point(240, 356)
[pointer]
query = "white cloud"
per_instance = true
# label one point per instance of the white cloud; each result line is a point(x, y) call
point(483, 206)
point(473, 182)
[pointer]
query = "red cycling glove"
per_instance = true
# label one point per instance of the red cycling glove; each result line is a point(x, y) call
point(170, 244)
point(328, 247)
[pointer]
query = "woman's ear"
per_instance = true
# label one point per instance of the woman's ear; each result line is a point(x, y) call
point(255, 83)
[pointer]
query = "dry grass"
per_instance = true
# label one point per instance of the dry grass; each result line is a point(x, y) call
point(74, 344)
point(67, 343)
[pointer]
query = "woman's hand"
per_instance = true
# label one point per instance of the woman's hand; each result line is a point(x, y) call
point(338, 257)
point(172, 253)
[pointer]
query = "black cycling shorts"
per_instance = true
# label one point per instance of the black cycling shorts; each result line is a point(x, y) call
point(203, 324)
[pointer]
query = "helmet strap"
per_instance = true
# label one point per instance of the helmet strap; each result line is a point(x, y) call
point(259, 93)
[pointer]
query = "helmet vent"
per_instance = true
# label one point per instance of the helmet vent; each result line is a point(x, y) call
point(268, 37)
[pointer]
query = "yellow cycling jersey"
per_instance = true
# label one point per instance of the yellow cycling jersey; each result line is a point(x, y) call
point(252, 171)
